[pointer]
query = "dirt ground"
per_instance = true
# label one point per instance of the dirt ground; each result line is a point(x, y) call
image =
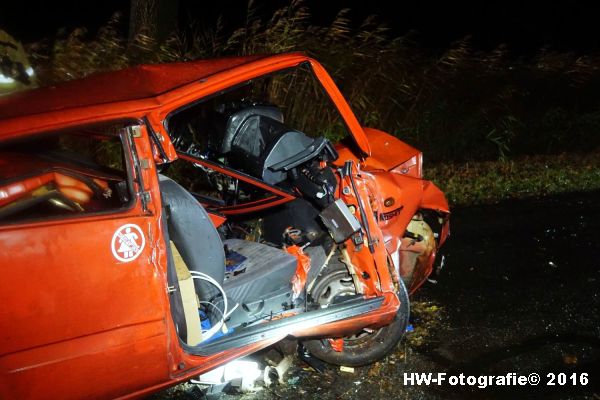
point(519, 292)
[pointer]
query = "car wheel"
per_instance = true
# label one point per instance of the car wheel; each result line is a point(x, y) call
point(364, 347)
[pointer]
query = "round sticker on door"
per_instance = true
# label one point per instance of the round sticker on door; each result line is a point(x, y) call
point(128, 242)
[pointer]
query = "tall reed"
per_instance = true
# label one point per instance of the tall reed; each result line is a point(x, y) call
point(458, 104)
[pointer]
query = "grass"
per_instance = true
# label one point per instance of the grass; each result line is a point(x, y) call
point(491, 181)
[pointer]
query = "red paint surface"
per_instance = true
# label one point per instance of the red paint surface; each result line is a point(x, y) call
point(77, 323)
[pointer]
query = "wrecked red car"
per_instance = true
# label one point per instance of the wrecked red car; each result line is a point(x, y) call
point(160, 221)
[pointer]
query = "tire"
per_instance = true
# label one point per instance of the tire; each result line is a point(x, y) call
point(365, 347)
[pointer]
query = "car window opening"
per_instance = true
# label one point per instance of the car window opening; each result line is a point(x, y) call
point(67, 173)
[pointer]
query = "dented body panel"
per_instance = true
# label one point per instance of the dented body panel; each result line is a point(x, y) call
point(86, 297)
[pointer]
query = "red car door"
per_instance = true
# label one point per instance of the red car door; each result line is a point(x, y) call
point(82, 290)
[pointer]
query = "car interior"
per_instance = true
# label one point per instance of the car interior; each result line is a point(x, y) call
point(253, 273)
point(58, 174)
point(241, 271)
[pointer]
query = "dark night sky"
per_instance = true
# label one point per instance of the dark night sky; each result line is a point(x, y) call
point(524, 26)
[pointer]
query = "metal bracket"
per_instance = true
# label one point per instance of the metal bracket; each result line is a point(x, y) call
point(314, 363)
point(145, 196)
point(135, 131)
point(145, 163)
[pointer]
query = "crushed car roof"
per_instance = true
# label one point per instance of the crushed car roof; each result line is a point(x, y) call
point(138, 91)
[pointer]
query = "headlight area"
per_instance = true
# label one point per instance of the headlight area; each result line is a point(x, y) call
point(424, 235)
point(438, 222)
